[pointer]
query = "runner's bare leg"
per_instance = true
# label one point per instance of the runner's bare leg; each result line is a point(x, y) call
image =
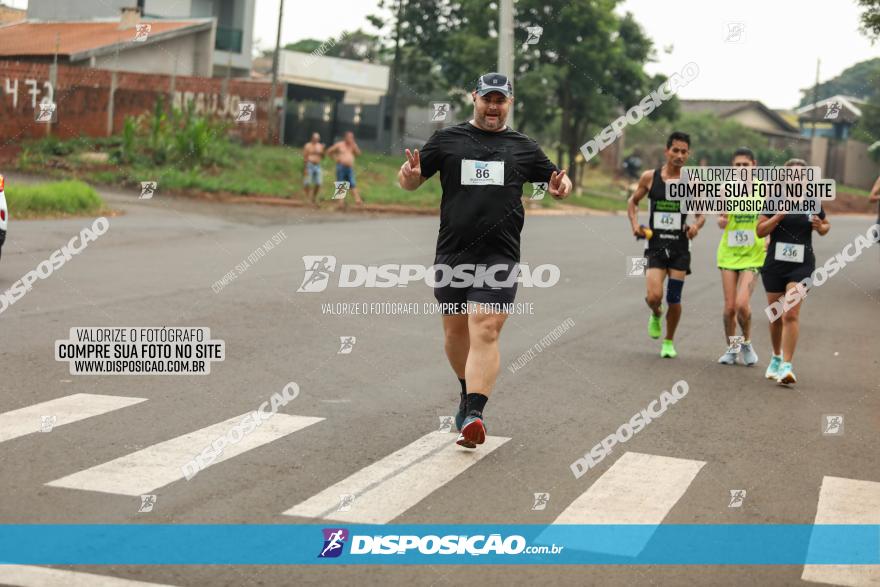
point(458, 343)
point(483, 360)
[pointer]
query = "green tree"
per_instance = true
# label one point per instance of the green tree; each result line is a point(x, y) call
point(862, 80)
point(357, 45)
point(712, 139)
point(595, 59)
point(870, 20)
point(414, 35)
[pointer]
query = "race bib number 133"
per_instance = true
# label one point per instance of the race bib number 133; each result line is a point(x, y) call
point(482, 172)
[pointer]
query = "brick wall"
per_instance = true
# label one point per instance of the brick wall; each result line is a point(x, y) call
point(87, 99)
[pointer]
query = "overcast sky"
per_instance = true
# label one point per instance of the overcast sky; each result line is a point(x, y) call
point(774, 58)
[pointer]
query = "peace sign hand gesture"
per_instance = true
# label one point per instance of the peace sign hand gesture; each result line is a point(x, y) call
point(559, 186)
point(413, 166)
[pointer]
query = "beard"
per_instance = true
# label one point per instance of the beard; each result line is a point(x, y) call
point(495, 123)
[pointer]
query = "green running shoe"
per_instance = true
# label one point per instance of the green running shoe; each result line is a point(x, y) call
point(668, 350)
point(655, 329)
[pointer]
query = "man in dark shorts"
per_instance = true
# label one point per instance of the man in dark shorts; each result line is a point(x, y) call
point(668, 249)
point(483, 165)
point(790, 260)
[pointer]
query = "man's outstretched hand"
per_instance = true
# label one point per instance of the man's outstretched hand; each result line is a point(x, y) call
point(560, 185)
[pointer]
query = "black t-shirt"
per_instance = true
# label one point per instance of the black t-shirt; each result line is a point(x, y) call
point(665, 218)
point(794, 229)
point(479, 220)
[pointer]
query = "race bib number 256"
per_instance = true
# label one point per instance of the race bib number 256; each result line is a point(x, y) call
point(482, 172)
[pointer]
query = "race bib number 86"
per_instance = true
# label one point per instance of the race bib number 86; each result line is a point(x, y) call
point(482, 172)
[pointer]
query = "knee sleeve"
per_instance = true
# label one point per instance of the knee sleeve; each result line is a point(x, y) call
point(673, 291)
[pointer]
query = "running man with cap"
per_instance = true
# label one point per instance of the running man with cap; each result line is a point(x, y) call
point(483, 165)
point(668, 250)
point(740, 257)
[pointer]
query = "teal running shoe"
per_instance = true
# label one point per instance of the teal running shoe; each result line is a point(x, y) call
point(786, 375)
point(773, 367)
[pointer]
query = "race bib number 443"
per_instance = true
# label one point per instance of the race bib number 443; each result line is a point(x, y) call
point(482, 172)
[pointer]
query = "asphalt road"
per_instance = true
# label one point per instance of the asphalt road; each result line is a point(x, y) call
point(156, 266)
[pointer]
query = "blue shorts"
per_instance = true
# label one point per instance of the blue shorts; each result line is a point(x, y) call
point(313, 174)
point(345, 173)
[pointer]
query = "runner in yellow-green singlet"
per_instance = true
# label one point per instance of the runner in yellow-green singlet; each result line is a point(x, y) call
point(740, 258)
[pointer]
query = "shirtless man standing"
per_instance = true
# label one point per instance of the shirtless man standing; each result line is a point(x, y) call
point(344, 153)
point(313, 152)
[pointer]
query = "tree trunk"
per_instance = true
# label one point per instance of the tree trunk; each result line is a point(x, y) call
point(564, 123)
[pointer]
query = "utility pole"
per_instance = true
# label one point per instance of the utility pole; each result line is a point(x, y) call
point(505, 45)
point(815, 99)
point(394, 89)
point(273, 115)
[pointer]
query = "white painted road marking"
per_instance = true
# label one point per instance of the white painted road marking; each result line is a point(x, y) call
point(846, 501)
point(387, 488)
point(66, 410)
point(31, 576)
point(144, 471)
point(637, 489)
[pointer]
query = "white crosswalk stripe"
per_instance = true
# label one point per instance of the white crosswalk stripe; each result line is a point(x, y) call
point(143, 471)
point(846, 501)
point(394, 484)
point(61, 411)
point(637, 489)
point(31, 576)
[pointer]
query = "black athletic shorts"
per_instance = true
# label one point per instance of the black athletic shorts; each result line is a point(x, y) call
point(669, 259)
point(776, 276)
point(454, 298)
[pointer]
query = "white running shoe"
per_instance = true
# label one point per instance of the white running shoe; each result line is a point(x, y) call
point(749, 356)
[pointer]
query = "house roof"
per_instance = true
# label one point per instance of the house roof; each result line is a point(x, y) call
point(847, 110)
point(726, 108)
point(79, 40)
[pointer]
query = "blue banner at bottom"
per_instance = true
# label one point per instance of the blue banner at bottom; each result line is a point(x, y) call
point(252, 544)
